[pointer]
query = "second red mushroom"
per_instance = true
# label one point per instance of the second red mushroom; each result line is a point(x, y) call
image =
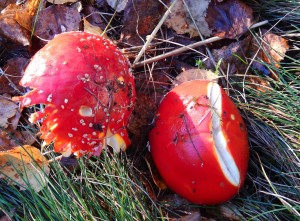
point(199, 143)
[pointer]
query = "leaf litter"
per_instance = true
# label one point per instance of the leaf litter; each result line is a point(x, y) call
point(24, 166)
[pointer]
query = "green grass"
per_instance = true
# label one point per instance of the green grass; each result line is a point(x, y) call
point(100, 189)
point(272, 187)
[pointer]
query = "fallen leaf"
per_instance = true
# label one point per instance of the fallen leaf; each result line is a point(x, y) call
point(8, 109)
point(56, 19)
point(232, 57)
point(11, 138)
point(89, 28)
point(100, 3)
point(141, 117)
point(4, 4)
point(195, 73)
point(230, 18)
point(25, 13)
point(229, 211)
point(11, 29)
point(138, 22)
point(118, 5)
point(269, 48)
point(60, 2)
point(177, 20)
point(25, 166)
point(12, 74)
point(93, 16)
point(258, 83)
point(197, 15)
point(194, 216)
point(273, 49)
point(157, 179)
point(9, 135)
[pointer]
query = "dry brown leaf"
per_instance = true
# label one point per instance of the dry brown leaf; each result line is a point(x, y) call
point(9, 135)
point(157, 179)
point(25, 166)
point(138, 22)
point(177, 20)
point(118, 5)
point(231, 56)
point(230, 212)
point(270, 48)
point(89, 28)
point(12, 138)
point(194, 216)
point(11, 29)
point(198, 10)
point(12, 73)
point(258, 83)
point(25, 14)
point(56, 19)
point(8, 109)
point(195, 73)
point(60, 2)
point(273, 49)
point(230, 18)
point(4, 4)
point(92, 15)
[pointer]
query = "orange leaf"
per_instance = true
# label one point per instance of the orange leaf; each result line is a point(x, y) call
point(24, 166)
point(24, 16)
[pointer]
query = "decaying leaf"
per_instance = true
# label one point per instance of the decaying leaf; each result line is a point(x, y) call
point(194, 216)
point(11, 75)
point(230, 18)
point(4, 4)
point(157, 179)
point(25, 13)
point(60, 2)
point(177, 20)
point(258, 83)
point(11, 138)
point(232, 57)
point(198, 11)
point(273, 49)
point(56, 19)
point(142, 115)
point(195, 73)
point(227, 211)
point(92, 15)
point(89, 28)
point(11, 29)
point(138, 22)
point(8, 109)
point(118, 5)
point(9, 120)
point(25, 166)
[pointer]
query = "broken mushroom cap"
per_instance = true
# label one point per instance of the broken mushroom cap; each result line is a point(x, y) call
point(88, 91)
point(199, 143)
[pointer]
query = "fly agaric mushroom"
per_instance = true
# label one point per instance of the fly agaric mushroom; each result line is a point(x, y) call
point(88, 92)
point(199, 143)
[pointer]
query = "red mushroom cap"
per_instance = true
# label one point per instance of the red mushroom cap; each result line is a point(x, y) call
point(88, 91)
point(199, 143)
